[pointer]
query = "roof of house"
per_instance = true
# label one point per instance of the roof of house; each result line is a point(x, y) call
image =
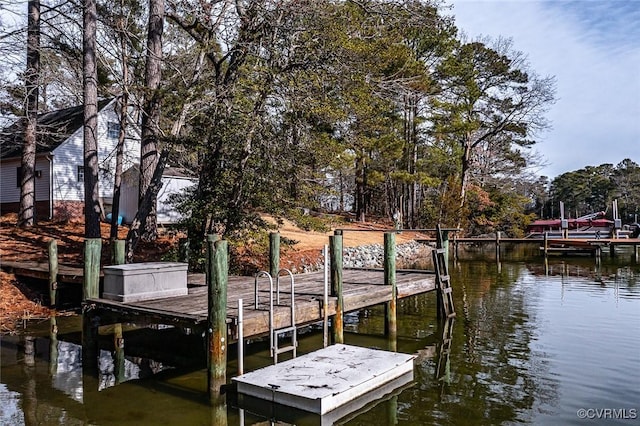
point(53, 129)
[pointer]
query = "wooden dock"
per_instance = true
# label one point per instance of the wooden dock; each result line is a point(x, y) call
point(40, 271)
point(549, 245)
point(361, 288)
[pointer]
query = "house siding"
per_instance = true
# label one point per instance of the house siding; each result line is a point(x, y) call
point(166, 212)
point(70, 155)
point(11, 187)
point(58, 187)
point(10, 193)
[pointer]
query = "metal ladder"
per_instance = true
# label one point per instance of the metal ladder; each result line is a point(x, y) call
point(274, 334)
point(443, 280)
point(443, 285)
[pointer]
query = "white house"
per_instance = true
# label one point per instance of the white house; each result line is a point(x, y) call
point(174, 181)
point(59, 161)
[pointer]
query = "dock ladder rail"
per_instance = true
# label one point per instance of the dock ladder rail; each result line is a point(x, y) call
point(443, 284)
point(274, 333)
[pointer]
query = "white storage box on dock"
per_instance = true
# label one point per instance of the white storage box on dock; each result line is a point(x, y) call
point(134, 282)
point(324, 380)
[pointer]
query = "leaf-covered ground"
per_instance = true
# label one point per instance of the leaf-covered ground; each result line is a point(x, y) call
point(18, 301)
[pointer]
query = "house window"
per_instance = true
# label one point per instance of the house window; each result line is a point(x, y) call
point(80, 173)
point(113, 130)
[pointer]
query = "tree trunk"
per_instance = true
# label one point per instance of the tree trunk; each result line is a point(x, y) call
point(26, 214)
point(151, 116)
point(414, 161)
point(138, 224)
point(115, 209)
point(90, 73)
point(464, 177)
point(361, 177)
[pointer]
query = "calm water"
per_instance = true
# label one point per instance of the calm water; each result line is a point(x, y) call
point(528, 346)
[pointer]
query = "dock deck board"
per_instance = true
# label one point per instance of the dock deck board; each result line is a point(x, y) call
point(361, 288)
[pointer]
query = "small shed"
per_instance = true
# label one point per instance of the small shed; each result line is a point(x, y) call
point(174, 181)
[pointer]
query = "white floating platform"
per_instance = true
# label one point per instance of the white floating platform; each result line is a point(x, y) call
point(326, 379)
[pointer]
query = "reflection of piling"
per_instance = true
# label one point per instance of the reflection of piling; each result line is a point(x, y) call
point(217, 278)
point(90, 289)
point(391, 327)
point(118, 346)
point(455, 248)
point(392, 410)
point(337, 325)
point(53, 346)
point(53, 271)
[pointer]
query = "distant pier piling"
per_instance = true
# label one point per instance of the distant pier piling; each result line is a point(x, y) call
point(337, 325)
point(391, 325)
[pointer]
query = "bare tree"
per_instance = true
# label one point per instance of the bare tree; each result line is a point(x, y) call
point(91, 195)
point(151, 116)
point(26, 215)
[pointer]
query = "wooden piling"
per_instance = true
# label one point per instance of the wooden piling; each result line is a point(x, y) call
point(240, 338)
point(391, 327)
point(445, 244)
point(90, 289)
point(53, 271)
point(498, 245)
point(546, 244)
point(274, 254)
point(91, 283)
point(337, 325)
point(117, 252)
point(217, 279)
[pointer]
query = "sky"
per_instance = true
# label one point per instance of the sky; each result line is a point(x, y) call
point(592, 47)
